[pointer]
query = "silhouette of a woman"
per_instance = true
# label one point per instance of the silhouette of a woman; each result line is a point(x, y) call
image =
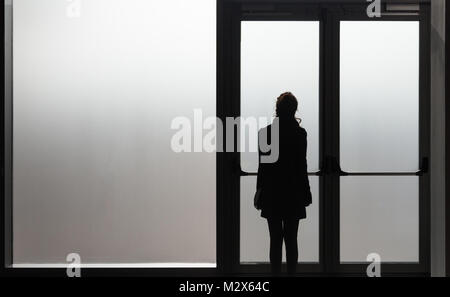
point(284, 185)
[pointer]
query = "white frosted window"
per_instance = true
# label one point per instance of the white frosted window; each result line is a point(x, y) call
point(379, 96)
point(276, 57)
point(379, 215)
point(255, 240)
point(96, 87)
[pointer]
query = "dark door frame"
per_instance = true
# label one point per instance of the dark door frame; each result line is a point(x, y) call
point(447, 137)
point(229, 106)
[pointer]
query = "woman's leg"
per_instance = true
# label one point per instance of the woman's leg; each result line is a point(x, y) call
point(290, 231)
point(276, 244)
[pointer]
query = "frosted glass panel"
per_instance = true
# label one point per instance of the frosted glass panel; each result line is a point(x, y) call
point(95, 90)
point(277, 57)
point(379, 215)
point(255, 240)
point(379, 96)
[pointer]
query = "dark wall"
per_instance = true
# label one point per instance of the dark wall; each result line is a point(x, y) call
point(447, 124)
point(438, 140)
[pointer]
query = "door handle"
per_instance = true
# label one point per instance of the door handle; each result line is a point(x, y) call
point(327, 166)
point(424, 166)
point(336, 167)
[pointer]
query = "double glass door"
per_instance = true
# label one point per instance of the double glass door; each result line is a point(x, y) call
point(362, 89)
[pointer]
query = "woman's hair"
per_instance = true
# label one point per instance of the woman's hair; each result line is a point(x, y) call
point(286, 106)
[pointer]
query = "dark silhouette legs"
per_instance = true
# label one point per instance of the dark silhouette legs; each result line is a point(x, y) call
point(290, 230)
point(276, 244)
point(278, 230)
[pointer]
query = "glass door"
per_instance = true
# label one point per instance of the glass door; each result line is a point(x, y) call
point(382, 144)
point(379, 140)
point(278, 56)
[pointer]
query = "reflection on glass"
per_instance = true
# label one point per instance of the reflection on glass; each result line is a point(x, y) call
point(255, 233)
point(278, 57)
point(379, 105)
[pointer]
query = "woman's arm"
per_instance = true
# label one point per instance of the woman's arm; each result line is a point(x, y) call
point(308, 196)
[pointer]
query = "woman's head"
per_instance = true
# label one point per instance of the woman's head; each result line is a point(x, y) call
point(287, 105)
